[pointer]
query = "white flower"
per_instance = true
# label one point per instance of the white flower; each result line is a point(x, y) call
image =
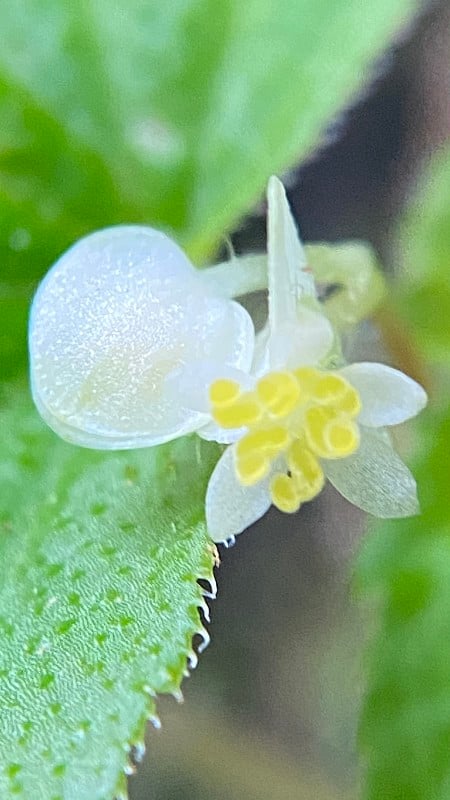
point(298, 423)
point(130, 346)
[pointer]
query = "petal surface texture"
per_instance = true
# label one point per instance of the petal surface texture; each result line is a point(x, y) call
point(375, 478)
point(230, 506)
point(388, 396)
point(115, 315)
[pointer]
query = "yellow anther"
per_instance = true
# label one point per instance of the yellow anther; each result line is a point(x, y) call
point(252, 468)
point(316, 420)
point(341, 437)
point(223, 392)
point(284, 493)
point(242, 412)
point(307, 378)
point(330, 388)
point(335, 390)
point(351, 402)
point(269, 441)
point(306, 470)
point(301, 460)
point(279, 392)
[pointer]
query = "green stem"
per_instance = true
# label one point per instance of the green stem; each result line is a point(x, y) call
point(239, 276)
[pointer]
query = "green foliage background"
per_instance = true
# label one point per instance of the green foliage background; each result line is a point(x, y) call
point(175, 116)
point(405, 730)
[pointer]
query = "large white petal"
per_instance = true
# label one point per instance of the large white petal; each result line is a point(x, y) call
point(388, 396)
point(375, 478)
point(114, 316)
point(231, 507)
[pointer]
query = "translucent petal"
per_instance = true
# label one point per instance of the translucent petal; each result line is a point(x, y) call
point(375, 478)
point(388, 396)
point(297, 334)
point(231, 507)
point(289, 279)
point(115, 315)
point(306, 341)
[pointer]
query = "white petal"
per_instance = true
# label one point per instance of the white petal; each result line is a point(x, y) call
point(214, 433)
point(115, 315)
point(231, 507)
point(288, 278)
point(261, 363)
point(375, 478)
point(306, 341)
point(388, 396)
point(226, 331)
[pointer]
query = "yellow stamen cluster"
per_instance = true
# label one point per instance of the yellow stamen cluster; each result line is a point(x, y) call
point(293, 420)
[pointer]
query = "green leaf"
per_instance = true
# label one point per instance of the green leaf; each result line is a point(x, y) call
point(98, 602)
point(184, 110)
point(423, 296)
point(405, 730)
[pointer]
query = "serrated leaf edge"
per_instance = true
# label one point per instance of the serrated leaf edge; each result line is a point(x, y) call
point(136, 744)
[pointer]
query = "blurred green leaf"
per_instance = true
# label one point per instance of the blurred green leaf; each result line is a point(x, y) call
point(405, 731)
point(14, 302)
point(185, 109)
point(423, 296)
point(98, 602)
